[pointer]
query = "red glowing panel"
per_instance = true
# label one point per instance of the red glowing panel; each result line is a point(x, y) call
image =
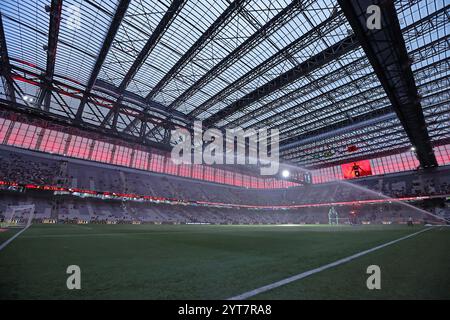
point(356, 169)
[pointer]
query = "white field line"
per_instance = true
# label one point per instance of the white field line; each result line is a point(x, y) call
point(305, 274)
point(4, 244)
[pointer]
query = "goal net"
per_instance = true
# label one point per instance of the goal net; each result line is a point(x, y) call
point(18, 216)
point(340, 220)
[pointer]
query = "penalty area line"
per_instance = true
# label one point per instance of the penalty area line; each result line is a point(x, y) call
point(305, 274)
point(4, 244)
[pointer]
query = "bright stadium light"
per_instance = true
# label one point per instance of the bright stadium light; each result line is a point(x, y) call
point(413, 148)
point(285, 173)
point(28, 98)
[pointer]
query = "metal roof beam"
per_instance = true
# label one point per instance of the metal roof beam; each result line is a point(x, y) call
point(5, 68)
point(384, 132)
point(230, 12)
point(386, 51)
point(309, 65)
point(436, 100)
point(151, 43)
point(357, 103)
point(165, 22)
point(385, 149)
point(52, 44)
point(378, 143)
point(425, 25)
point(375, 141)
point(107, 42)
point(281, 18)
point(63, 120)
point(315, 34)
point(344, 127)
point(372, 134)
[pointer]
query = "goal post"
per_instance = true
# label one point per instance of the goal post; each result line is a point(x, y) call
point(18, 216)
point(333, 216)
point(335, 219)
point(340, 220)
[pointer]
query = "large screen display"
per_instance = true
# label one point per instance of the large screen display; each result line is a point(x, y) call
point(356, 169)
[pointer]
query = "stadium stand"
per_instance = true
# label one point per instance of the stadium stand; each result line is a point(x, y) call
point(24, 167)
point(73, 209)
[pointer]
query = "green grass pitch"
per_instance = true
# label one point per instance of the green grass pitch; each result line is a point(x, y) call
point(218, 262)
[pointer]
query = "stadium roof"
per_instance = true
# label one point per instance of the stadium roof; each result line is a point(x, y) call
point(310, 68)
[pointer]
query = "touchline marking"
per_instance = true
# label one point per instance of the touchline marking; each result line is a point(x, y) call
point(4, 244)
point(305, 274)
